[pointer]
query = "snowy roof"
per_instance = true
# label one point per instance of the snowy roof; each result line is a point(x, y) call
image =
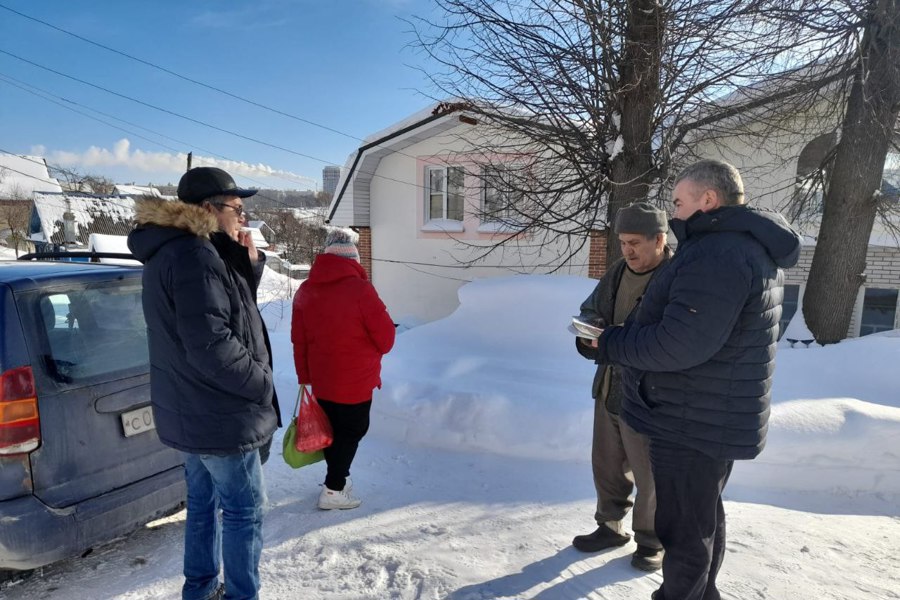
point(311, 214)
point(24, 175)
point(93, 214)
point(101, 242)
point(136, 190)
point(353, 186)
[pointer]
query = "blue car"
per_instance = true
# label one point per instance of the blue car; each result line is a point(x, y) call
point(80, 462)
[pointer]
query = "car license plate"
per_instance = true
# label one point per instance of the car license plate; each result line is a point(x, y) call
point(138, 421)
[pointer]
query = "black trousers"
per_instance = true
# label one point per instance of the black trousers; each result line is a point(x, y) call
point(690, 519)
point(350, 422)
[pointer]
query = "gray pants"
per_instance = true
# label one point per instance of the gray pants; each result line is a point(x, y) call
point(620, 458)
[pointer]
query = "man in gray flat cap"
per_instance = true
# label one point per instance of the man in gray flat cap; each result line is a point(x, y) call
point(620, 456)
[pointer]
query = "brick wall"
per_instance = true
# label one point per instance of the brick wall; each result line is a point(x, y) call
point(597, 254)
point(882, 267)
point(365, 248)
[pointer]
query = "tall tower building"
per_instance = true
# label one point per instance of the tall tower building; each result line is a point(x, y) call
point(330, 176)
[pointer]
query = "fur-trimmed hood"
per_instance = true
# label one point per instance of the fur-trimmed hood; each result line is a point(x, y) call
point(161, 221)
point(173, 213)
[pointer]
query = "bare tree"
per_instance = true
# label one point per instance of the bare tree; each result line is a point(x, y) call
point(299, 240)
point(599, 95)
point(73, 181)
point(854, 178)
point(847, 104)
point(16, 213)
point(99, 185)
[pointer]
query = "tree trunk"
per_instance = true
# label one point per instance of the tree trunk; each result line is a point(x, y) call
point(850, 206)
point(639, 75)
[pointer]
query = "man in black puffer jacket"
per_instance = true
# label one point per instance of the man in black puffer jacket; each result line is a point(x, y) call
point(210, 376)
point(698, 358)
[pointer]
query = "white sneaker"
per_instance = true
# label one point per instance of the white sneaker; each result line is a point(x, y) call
point(330, 499)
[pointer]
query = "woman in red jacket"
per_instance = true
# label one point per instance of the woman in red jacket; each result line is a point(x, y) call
point(340, 329)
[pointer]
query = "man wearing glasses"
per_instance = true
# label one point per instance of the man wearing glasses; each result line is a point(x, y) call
point(211, 382)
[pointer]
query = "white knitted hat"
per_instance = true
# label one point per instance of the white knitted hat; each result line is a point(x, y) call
point(342, 242)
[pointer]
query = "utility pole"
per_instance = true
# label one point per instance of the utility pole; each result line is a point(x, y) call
point(190, 157)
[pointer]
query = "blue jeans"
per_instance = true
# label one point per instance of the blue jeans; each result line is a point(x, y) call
point(234, 484)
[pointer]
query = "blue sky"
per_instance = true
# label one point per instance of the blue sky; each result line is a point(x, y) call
point(343, 64)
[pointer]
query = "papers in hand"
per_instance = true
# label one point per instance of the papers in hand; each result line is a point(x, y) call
point(584, 329)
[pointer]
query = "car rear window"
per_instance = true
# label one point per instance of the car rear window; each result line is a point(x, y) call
point(94, 332)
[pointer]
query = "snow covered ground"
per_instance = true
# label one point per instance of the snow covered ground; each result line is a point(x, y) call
point(476, 475)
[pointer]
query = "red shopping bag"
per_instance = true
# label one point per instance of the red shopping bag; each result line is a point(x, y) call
point(313, 428)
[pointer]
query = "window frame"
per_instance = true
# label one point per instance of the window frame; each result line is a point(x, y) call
point(862, 314)
point(446, 193)
point(796, 302)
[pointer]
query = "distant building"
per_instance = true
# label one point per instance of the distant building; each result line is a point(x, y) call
point(136, 191)
point(21, 176)
point(68, 220)
point(330, 177)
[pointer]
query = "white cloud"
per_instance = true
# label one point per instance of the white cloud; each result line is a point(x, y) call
point(122, 155)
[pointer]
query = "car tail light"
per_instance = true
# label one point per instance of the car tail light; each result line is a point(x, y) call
point(20, 426)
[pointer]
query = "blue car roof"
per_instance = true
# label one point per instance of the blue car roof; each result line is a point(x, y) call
point(27, 274)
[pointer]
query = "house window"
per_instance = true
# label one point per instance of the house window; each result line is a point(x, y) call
point(879, 311)
point(445, 193)
point(788, 307)
point(499, 194)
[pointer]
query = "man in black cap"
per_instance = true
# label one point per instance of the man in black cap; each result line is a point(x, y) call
point(211, 381)
point(620, 456)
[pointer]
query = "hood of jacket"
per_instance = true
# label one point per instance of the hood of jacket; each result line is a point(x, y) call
point(768, 227)
point(328, 268)
point(160, 221)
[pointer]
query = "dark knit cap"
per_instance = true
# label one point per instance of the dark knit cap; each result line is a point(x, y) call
point(641, 217)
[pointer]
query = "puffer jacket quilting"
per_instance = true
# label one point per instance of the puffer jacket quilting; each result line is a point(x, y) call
point(699, 352)
point(210, 379)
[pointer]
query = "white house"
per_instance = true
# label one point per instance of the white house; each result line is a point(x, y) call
point(69, 219)
point(21, 176)
point(410, 192)
point(138, 191)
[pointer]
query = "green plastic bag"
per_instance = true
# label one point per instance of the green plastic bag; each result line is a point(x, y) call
point(293, 457)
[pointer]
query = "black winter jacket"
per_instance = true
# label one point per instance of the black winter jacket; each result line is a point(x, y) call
point(210, 380)
point(236, 258)
point(700, 349)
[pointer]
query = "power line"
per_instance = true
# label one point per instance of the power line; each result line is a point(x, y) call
point(208, 86)
point(406, 263)
point(180, 76)
point(65, 102)
point(192, 80)
point(198, 121)
point(76, 174)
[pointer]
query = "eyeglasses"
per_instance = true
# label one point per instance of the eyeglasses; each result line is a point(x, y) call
point(238, 210)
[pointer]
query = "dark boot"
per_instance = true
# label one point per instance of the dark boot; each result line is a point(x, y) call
point(647, 559)
point(601, 539)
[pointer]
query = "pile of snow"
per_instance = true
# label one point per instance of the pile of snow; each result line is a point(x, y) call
point(501, 375)
point(490, 512)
